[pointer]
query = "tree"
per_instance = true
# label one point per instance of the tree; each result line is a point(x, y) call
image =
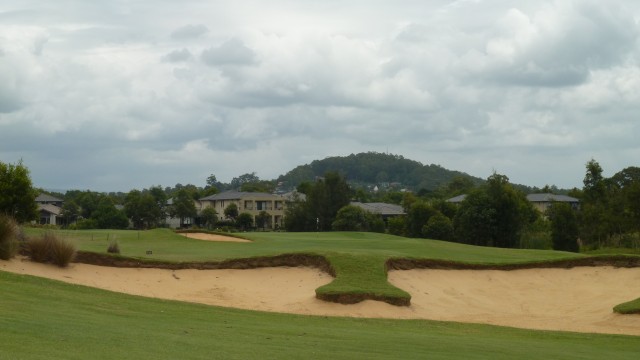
point(350, 218)
point(209, 216)
point(397, 225)
point(323, 200)
point(262, 219)
point(438, 227)
point(231, 211)
point(328, 196)
point(143, 209)
point(417, 217)
point(237, 182)
point(70, 211)
point(244, 221)
point(564, 227)
point(494, 214)
point(106, 216)
point(17, 195)
point(183, 206)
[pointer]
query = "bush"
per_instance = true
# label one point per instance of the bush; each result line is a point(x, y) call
point(114, 247)
point(8, 237)
point(51, 249)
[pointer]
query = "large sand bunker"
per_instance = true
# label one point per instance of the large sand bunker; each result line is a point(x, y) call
point(579, 299)
point(213, 237)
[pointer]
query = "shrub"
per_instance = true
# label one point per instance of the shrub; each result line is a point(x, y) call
point(51, 249)
point(114, 247)
point(8, 237)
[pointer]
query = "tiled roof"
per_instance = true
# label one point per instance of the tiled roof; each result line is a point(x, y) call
point(236, 195)
point(50, 209)
point(380, 208)
point(47, 198)
point(551, 198)
point(457, 199)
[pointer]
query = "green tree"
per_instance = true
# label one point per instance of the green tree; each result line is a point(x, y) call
point(143, 209)
point(262, 219)
point(438, 227)
point(209, 216)
point(564, 227)
point(231, 211)
point(244, 221)
point(70, 212)
point(494, 214)
point(17, 195)
point(417, 217)
point(107, 216)
point(183, 206)
point(351, 218)
point(397, 225)
point(323, 200)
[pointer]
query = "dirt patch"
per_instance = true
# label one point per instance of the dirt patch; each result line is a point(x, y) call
point(213, 237)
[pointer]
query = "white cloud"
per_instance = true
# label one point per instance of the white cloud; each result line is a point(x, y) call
point(532, 88)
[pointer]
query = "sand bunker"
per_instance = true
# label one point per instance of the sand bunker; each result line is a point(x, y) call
point(213, 237)
point(578, 299)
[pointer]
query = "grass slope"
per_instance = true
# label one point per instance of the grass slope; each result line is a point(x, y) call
point(44, 319)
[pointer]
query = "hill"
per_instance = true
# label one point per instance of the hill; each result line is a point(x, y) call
point(372, 168)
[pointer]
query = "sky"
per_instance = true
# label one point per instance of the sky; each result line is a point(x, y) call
point(121, 95)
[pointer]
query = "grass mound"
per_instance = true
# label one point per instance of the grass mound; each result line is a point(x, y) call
point(51, 249)
point(8, 237)
point(631, 307)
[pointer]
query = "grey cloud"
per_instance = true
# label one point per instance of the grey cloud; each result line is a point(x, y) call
point(177, 56)
point(189, 32)
point(231, 52)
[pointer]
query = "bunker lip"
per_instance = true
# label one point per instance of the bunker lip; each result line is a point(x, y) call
point(577, 299)
point(321, 263)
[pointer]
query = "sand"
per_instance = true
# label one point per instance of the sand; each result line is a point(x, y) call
point(213, 237)
point(579, 299)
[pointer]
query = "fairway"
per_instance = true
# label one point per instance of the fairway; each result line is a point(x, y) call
point(579, 299)
point(44, 319)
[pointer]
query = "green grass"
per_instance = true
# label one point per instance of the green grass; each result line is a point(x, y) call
point(357, 258)
point(45, 319)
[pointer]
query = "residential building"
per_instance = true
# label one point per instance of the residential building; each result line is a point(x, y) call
point(252, 203)
point(542, 202)
point(49, 209)
point(385, 210)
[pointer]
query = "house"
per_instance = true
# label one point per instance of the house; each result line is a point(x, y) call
point(542, 202)
point(457, 199)
point(252, 203)
point(385, 210)
point(49, 209)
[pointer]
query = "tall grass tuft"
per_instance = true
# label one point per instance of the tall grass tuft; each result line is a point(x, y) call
point(9, 245)
point(114, 247)
point(51, 249)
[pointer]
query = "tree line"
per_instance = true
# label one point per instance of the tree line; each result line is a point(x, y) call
point(493, 213)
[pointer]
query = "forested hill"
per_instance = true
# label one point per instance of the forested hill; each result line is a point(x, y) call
point(376, 168)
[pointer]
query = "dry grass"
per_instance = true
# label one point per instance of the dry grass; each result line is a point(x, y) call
point(9, 245)
point(114, 247)
point(51, 249)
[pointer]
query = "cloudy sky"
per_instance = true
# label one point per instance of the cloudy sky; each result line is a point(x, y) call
point(116, 95)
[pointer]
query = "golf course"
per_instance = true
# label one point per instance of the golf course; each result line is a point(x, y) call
point(315, 295)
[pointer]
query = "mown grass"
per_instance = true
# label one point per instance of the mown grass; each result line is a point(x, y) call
point(44, 319)
point(357, 258)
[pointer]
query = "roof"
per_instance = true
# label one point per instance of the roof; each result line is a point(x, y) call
point(551, 198)
point(47, 198)
point(52, 209)
point(237, 195)
point(380, 208)
point(457, 199)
